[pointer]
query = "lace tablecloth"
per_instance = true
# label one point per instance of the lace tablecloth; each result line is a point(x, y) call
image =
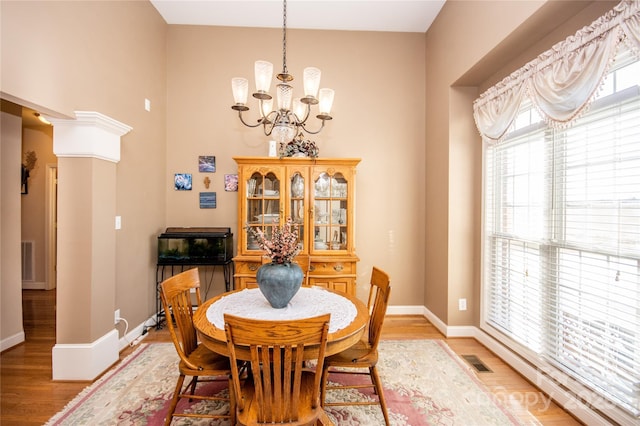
point(308, 302)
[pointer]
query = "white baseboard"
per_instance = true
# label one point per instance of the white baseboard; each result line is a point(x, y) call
point(405, 310)
point(11, 341)
point(448, 331)
point(84, 361)
point(34, 285)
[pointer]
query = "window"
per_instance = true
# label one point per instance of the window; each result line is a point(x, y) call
point(562, 242)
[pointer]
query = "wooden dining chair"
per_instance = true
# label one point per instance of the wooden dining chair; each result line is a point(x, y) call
point(304, 261)
point(364, 354)
point(280, 390)
point(196, 360)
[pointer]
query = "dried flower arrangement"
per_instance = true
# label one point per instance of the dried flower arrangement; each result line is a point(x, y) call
point(283, 245)
point(30, 160)
point(299, 147)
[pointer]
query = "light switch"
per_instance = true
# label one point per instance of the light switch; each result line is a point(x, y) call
point(118, 222)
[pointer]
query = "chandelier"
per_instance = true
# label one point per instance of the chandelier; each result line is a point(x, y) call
point(290, 116)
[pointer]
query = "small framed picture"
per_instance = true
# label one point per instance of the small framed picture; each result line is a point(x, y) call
point(182, 182)
point(231, 183)
point(207, 200)
point(206, 164)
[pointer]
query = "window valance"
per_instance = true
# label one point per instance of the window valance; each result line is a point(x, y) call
point(562, 81)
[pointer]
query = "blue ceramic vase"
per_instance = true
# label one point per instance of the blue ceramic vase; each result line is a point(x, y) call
point(279, 282)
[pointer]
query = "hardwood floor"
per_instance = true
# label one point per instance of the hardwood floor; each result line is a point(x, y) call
point(29, 396)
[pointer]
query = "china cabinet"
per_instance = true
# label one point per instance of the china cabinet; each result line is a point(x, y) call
point(319, 196)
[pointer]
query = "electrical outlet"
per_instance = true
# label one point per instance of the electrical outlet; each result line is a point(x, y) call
point(462, 304)
point(116, 316)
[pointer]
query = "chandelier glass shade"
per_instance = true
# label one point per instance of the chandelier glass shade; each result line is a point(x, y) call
point(290, 115)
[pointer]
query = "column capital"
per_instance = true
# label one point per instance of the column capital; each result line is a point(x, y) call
point(91, 134)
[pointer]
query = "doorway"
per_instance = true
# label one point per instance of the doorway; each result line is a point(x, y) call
point(51, 225)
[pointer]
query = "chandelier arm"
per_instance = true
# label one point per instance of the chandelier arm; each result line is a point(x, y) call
point(270, 125)
point(312, 132)
point(306, 115)
point(247, 124)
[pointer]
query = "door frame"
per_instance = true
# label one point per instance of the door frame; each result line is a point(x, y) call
point(51, 225)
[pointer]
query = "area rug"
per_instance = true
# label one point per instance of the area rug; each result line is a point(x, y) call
point(425, 383)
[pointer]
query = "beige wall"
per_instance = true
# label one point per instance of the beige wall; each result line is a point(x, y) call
point(61, 57)
point(490, 39)
point(11, 331)
point(378, 116)
point(402, 105)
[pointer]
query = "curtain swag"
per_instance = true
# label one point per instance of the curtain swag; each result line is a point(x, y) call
point(562, 81)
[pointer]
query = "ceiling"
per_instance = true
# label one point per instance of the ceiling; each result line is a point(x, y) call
point(352, 15)
point(30, 120)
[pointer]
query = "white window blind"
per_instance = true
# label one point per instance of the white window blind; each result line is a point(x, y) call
point(562, 242)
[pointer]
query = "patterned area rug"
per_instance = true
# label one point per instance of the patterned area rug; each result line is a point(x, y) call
point(425, 383)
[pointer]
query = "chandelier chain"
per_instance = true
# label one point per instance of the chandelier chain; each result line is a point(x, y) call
point(284, 37)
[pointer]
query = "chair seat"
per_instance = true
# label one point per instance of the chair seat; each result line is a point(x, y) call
point(360, 353)
point(306, 414)
point(209, 363)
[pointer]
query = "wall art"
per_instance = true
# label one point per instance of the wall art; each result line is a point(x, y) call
point(182, 182)
point(207, 200)
point(206, 164)
point(231, 183)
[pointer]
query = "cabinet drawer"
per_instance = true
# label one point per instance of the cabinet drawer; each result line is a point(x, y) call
point(242, 283)
point(247, 267)
point(345, 285)
point(332, 268)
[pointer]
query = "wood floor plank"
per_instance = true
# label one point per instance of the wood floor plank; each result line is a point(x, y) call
point(25, 370)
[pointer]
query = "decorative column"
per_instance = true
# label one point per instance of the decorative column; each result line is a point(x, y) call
point(88, 150)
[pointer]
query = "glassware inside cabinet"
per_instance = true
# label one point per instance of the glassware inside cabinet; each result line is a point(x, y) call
point(328, 237)
point(263, 205)
point(263, 186)
point(270, 187)
point(297, 198)
point(297, 186)
point(296, 207)
point(338, 187)
point(263, 199)
point(321, 185)
point(330, 212)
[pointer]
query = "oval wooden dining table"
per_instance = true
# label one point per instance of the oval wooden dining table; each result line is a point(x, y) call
point(349, 316)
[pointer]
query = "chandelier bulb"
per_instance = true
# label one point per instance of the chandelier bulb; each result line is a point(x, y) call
point(311, 79)
point(263, 73)
point(326, 101)
point(240, 88)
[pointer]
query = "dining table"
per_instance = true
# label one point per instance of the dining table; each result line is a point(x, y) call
point(349, 316)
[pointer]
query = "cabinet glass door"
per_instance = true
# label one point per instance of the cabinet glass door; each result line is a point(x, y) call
point(263, 205)
point(298, 185)
point(330, 218)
